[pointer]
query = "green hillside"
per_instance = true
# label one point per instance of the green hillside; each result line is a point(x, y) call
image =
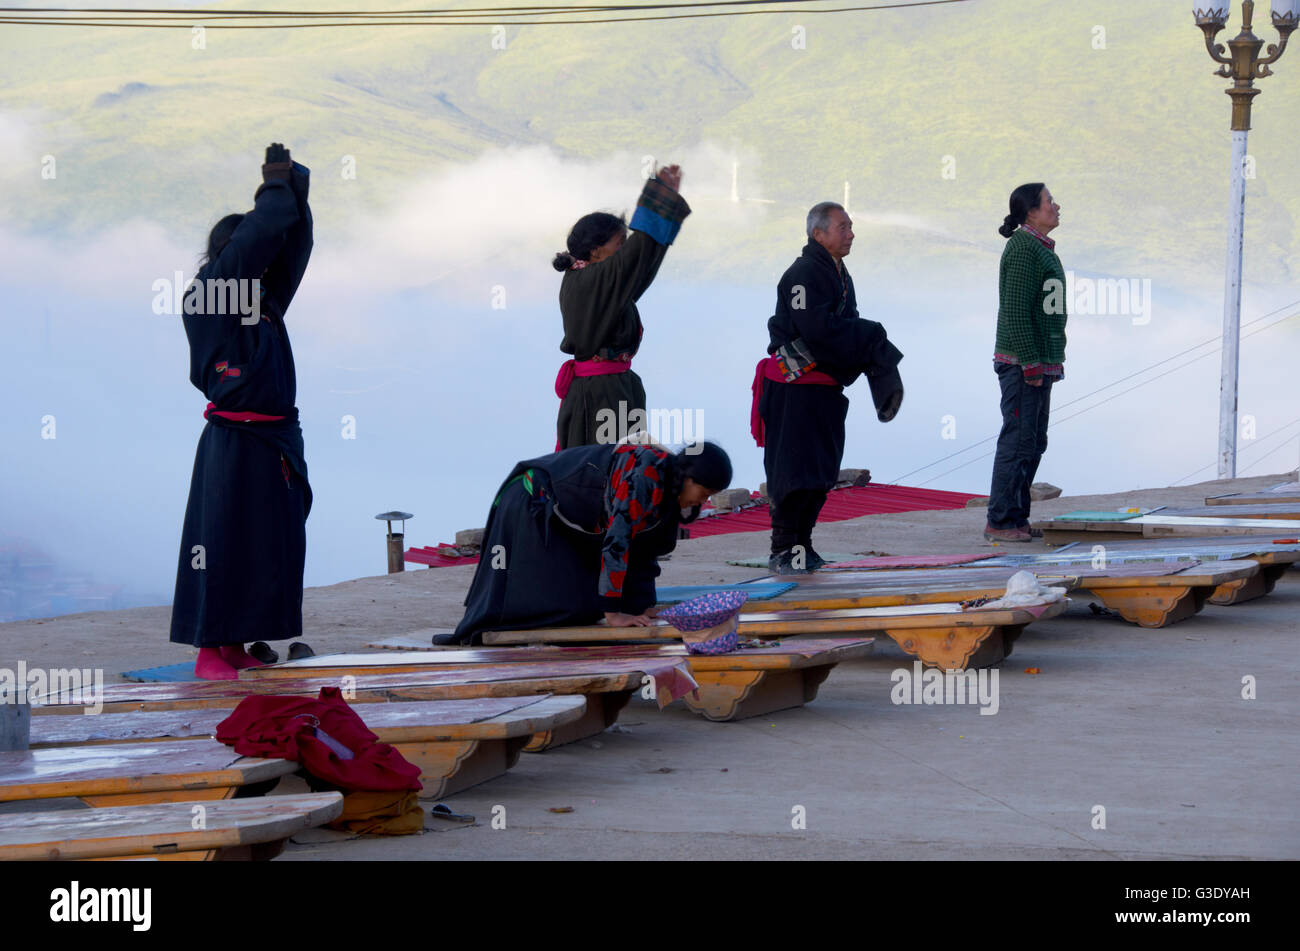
point(1132, 138)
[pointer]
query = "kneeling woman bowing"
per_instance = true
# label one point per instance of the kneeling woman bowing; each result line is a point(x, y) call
point(576, 535)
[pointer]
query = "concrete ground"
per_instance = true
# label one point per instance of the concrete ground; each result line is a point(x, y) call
point(1149, 726)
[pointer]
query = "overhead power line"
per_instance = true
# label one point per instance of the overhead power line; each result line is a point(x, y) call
point(1213, 340)
point(470, 16)
point(1254, 444)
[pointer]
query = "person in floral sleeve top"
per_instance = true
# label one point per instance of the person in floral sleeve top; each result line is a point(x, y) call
point(575, 536)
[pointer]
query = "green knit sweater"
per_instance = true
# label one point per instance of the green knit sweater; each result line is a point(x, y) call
point(1032, 307)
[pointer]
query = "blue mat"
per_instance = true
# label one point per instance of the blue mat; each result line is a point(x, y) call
point(172, 673)
point(756, 592)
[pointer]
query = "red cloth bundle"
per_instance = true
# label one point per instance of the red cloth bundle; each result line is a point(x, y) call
point(319, 734)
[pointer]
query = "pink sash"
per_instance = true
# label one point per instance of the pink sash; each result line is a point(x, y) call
point(769, 369)
point(572, 368)
point(238, 416)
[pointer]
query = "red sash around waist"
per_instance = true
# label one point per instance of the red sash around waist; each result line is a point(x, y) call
point(571, 368)
point(238, 416)
point(769, 369)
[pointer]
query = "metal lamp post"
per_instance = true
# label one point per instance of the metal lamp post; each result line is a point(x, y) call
point(1243, 66)
point(396, 558)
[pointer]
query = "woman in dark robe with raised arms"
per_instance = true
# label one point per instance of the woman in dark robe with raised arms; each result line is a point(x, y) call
point(575, 536)
point(605, 273)
point(243, 544)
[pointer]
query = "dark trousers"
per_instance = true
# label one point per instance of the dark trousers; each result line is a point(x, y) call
point(1021, 445)
point(793, 519)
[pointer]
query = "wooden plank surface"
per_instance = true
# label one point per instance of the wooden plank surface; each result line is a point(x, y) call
point(796, 622)
point(452, 662)
point(668, 656)
point(403, 722)
point(162, 828)
point(979, 576)
point(1281, 550)
point(1160, 525)
point(129, 768)
point(565, 678)
point(1097, 516)
point(1283, 492)
point(796, 654)
point(1155, 526)
point(1272, 510)
point(415, 641)
point(1074, 571)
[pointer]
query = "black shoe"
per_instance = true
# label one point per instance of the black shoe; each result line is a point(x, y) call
point(300, 649)
point(262, 651)
point(812, 560)
point(783, 563)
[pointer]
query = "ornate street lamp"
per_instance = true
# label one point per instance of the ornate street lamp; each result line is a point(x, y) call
point(1243, 66)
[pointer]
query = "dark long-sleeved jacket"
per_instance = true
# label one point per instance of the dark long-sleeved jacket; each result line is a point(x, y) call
point(241, 366)
point(815, 301)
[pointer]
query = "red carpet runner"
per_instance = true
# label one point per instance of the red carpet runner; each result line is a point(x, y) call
point(841, 504)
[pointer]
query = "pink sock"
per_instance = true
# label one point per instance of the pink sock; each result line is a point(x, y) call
point(237, 657)
point(211, 665)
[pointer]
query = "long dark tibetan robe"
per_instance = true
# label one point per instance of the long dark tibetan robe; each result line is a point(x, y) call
point(804, 443)
point(239, 575)
point(601, 322)
point(570, 536)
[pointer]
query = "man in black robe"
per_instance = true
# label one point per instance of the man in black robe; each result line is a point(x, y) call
point(819, 345)
point(243, 544)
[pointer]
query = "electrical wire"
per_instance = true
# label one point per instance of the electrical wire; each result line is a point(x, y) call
point(1101, 389)
point(1266, 455)
point(1255, 444)
point(474, 16)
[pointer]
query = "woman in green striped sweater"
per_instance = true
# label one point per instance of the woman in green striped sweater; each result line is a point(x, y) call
point(1029, 355)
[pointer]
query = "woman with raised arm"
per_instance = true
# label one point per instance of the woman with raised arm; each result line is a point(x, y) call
point(239, 577)
point(605, 273)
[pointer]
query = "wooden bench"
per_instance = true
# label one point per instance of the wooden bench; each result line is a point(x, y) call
point(1061, 529)
point(1271, 510)
point(730, 686)
point(1283, 492)
point(941, 634)
point(231, 830)
point(129, 774)
point(1273, 556)
point(1150, 595)
point(606, 686)
point(456, 743)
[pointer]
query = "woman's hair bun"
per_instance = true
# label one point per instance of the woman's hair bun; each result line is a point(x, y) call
point(563, 261)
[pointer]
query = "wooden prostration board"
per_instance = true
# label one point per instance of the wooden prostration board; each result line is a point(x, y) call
point(1157, 526)
point(1172, 552)
point(165, 830)
point(1284, 492)
point(794, 622)
point(646, 656)
point(407, 722)
point(1072, 572)
point(193, 769)
point(455, 743)
point(1271, 510)
point(731, 686)
point(512, 680)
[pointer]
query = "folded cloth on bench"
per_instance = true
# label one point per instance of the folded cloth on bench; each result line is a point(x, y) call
point(325, 735)
point(1024, 590)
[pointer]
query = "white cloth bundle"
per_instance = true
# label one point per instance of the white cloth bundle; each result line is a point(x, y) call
point(1023, 588)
